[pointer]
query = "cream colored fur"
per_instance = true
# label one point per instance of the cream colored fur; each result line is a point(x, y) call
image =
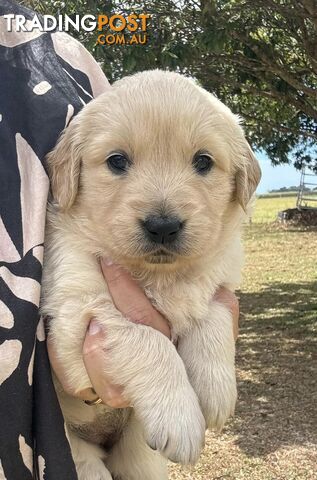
point(160, 120)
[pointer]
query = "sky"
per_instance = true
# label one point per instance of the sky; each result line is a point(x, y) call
point(276, 177)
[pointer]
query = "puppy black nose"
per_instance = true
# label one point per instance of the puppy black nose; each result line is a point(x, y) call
point(162, 230)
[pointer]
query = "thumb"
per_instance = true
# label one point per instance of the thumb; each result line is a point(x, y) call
point(95, 360)
point(94, 338)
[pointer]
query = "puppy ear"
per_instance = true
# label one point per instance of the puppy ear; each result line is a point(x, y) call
point(64, 166)
point(247, 178)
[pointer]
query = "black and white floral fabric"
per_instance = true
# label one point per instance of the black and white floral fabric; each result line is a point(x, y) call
point(45, 79)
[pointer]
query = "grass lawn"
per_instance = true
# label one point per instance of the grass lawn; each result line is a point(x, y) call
point(273, 435)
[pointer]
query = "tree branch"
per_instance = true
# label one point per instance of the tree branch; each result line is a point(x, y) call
point(274, 67)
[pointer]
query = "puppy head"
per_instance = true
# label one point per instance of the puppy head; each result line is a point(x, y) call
point(151, 168)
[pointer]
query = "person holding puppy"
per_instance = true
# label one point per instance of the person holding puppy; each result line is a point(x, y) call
point(45, 80)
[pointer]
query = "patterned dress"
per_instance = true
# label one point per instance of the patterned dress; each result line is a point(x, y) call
point(45, 79)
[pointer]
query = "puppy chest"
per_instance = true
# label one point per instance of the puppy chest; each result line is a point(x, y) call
point(183, 305)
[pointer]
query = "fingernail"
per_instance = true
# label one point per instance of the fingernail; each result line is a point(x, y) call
point(94, 328)
point(107, 261)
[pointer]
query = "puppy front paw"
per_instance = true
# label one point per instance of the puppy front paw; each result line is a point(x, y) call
point(219, 400)
point(95, 470)
point(176, 427)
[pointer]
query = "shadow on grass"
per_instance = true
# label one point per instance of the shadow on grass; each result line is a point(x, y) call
point(277, 365)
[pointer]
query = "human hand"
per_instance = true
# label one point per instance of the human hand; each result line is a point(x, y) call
point(132, 302)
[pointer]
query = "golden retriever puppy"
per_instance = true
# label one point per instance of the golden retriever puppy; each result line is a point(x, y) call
point(155, 174)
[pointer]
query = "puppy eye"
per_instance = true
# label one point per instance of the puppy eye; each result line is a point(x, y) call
point(202, 163)
point(118, 163)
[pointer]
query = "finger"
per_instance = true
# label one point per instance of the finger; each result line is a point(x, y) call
point(94, 355)
point(130, 300)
